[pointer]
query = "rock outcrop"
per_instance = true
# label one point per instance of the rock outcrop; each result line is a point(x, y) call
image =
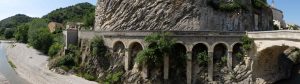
point(178, 15)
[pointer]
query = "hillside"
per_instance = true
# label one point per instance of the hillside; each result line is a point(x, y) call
point(14, 21)
point(71, 13)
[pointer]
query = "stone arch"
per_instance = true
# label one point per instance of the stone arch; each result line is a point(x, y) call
point(219, 61)
point(199, 71)
point(276, 63)
point(118, 46)
point(177, 74)
point(237, 54)
point(223, 43)
point(119, 52)
point(134, 49)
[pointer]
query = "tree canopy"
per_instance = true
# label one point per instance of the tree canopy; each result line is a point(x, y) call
point(15, 21)
point(75, 13)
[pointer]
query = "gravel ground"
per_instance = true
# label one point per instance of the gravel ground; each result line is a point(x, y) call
point(32, 66)
point(3, 79)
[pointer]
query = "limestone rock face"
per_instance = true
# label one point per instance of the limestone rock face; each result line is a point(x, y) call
point(178, 15)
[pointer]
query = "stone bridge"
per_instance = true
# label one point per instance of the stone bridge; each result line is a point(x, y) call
point(264, 39)
point(217, 44)
point(269, 46)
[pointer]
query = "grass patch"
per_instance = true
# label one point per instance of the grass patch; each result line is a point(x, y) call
point(12, 64)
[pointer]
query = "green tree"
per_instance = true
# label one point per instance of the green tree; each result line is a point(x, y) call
point(14, 21)
point(202, 58)
point(73, 13)
point(41, 39)
point(9, 33)
point(21, 33)
point(160, 44)
point(54, 49)
point(97, 47)
point(89, 20)
point(247, 43)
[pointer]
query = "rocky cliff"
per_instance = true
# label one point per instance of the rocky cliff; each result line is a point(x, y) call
point(179, 15)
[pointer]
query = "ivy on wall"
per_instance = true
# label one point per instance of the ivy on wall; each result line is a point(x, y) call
point(224, 5)
point(235, 5)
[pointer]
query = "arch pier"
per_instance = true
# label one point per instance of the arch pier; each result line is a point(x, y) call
point(215, 44)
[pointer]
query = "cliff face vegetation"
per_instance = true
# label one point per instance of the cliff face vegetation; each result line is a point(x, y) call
point(182, 15)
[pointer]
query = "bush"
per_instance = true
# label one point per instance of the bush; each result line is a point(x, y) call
point(153, 55)
point(87, 76)
point(9, 33)
point(223, 61)
point(202, 58)
point(97, 47)
point(225, 6)
point(113, 77)
point(230, 6)
point(260, 3)
point(54, 49)
point(246, 42)
point(21, 33)
point(239, 56)
point(148, 55)
point(41, 39)
point(12, 64)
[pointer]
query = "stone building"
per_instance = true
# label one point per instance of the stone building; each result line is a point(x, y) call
point(278, 18)
point(198, 26)
point(53, 26)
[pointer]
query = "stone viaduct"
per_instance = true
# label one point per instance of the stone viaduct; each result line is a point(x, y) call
point(216, 43)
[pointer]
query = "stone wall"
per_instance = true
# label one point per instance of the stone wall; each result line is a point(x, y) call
point(179, 15)
point(71, 37)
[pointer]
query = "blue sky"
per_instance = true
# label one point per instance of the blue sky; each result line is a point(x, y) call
point(34, 8)
point(38, 8)
point(290, 8)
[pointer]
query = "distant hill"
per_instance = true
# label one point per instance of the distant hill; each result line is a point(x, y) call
point(72, 13)
point(14, 21)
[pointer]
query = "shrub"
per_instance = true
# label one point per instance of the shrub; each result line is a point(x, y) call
point(202, 58)
point(229, 6)
point(146, 56)
point(225, 6)
point(247, 42)
point(21, 33)
point(113, 77)
point(98, 47)
point(9, 33)
point(223, 61)
point(87, 76)
point(153, 55)
point(260, 3)
point(41, 39)
point(12, 64)
point(54, 49)
point(239, 55)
